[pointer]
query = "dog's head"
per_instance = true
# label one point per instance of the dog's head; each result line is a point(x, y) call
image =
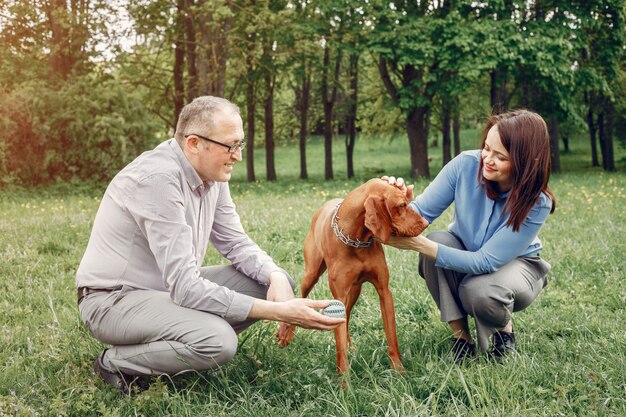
point(387, 212)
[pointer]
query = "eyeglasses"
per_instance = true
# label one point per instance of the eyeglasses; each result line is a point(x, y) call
point(239, 146)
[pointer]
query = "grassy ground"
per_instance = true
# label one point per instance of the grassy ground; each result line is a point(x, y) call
point(572, 340)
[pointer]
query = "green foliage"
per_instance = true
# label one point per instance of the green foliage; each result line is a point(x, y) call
point(88, 129)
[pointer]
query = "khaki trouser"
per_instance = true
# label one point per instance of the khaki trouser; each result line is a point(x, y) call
point(151, 335)
point(489, 298)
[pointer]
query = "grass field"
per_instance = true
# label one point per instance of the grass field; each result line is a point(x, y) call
point(572, 340)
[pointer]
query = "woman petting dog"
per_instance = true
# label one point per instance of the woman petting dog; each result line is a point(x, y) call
point(487, 263)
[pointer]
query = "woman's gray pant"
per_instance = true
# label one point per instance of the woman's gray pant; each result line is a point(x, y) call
point(489, 298)
point(151, 335)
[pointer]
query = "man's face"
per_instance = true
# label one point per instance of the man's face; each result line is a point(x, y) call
point(214, 162)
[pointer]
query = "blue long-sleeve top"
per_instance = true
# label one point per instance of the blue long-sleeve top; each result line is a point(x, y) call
point(478, 221)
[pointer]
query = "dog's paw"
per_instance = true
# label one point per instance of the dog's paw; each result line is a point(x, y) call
point(287, 337)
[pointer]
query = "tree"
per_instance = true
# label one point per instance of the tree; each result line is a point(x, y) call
point(419, 45)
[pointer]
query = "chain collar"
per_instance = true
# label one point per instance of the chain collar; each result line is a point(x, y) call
point(346, 240)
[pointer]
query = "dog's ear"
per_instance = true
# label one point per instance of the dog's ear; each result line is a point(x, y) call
point(377, 217)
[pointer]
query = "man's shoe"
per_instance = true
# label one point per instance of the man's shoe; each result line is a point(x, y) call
point(503, 344)
point(126, 384)
point(462, 350)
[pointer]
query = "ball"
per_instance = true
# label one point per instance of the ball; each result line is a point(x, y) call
point(335, 309)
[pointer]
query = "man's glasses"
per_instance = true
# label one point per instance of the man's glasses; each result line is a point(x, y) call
point(231, 148)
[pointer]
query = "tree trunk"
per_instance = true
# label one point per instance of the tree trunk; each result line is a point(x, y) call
point(68, 36)
point(592, 131)
point(456, 127)
point(251, 112)
point(269, 128)
point(418, 124)
point(498, 91)
point(179, 61)
point(353, 75)
point(328, 98)
point(601, 137)
point(213, 51)
point(190, 33)
point(553, 127)
point(605, 134)
point(565, 139)
point(446, 110)
point(608, 159)
point(303, 95)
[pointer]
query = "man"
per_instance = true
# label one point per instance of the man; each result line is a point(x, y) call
point(141, 287)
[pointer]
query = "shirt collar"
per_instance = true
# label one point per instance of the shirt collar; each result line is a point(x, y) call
point(191, 176)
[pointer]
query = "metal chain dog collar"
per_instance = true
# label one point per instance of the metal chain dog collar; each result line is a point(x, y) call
point(346, 240)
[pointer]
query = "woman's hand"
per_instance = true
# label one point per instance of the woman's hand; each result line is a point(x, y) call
point(402, 242)
point(399, 183)
point(419, 244)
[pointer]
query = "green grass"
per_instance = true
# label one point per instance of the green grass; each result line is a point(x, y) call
point(572, 340)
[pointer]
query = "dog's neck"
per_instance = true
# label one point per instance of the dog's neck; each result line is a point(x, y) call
point(351, 230)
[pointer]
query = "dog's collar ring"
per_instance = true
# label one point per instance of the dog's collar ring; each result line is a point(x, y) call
point(346, 240)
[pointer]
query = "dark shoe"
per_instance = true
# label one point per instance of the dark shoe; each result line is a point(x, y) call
point(462, 350)
point(126, 384)
point(503, 344)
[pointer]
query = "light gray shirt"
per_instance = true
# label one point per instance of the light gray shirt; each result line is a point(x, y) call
point(152, 230)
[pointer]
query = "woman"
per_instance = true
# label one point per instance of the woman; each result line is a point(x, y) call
point(487, 264)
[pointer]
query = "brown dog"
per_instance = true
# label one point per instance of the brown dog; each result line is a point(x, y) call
point(341, 238)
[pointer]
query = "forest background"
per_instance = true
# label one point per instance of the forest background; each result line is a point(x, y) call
point(86, 85)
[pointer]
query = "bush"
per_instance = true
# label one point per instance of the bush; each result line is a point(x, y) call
point(86, 128)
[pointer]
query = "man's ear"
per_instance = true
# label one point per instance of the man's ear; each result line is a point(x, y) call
point(377, 218)
point(192, 144)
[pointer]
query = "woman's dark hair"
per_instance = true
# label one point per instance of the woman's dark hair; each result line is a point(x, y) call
point(524, 135)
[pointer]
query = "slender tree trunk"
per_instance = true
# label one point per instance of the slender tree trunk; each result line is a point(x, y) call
point(553, 126)
point(179, 61)
point(250, 107)
point(446, 110)
point(565, 139)
point(269, 127)
point(601, 137)
point(456, 127)
point(353, 75)
point(608, 159)
point(591, 126)
point(303, 95)
point(190, 35)
point(329, 95)
point(418, 125)
point(251, 112)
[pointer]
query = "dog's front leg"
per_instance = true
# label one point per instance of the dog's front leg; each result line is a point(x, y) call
point(389, 323)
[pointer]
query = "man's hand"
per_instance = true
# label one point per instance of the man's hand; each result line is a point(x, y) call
point(297, 311)
point(304, 312)
point(280, 290)
point(399, 183)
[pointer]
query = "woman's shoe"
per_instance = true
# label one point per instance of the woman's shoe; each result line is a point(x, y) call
point(503, 344)
point(462, 350)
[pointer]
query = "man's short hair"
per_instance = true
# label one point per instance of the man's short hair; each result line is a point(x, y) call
point(199, 116)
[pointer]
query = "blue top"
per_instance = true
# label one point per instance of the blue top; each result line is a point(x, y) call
point(478, 221)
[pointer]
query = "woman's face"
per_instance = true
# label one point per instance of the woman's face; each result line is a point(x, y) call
point(496, 161)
